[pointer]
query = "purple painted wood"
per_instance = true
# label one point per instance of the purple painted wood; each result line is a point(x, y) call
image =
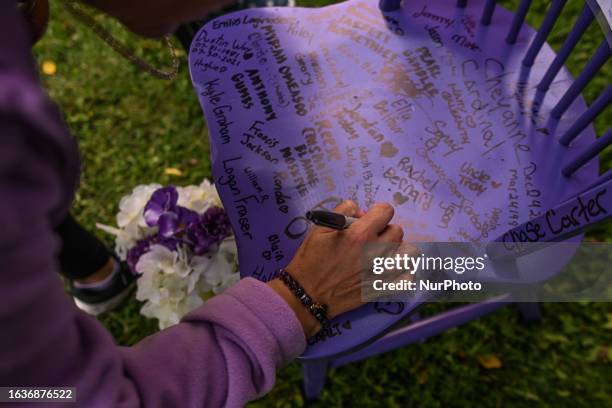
point(580, 26)
point(517, 21)
point(600, 181)
point(315, 371)
point(456, 126)
point(530, 312)
point(549, 225)
point(454, 104)
point(315, 375)
point(587, 117)
point(424, 329)
point(549, 21)
point(607, 176)
point(588, 154)
point(588, 72)
point(487, 12)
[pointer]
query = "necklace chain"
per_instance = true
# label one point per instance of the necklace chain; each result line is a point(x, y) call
point(77, 11)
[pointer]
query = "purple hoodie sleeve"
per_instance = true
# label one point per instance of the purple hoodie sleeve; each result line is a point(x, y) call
point(223, 354)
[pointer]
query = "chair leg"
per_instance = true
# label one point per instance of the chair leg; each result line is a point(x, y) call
point(530, 312)
point(315, 374)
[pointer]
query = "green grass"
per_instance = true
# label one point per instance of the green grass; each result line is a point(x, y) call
point(131, 127)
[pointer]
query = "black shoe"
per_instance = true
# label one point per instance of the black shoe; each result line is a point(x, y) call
point(98, 301)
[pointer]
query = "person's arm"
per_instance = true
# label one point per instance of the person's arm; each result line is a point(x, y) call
point(222, 354)
point(154, 18)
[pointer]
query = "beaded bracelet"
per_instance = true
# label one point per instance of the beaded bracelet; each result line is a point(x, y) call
point(318, 310)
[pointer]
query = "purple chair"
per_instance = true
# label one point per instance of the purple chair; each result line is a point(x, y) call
point(480, 131)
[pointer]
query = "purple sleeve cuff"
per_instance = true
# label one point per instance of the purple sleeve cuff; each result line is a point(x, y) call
point(274, 312)
point(224, 353)
point(257, 314)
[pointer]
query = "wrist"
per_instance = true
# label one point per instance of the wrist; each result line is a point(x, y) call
point(309, 324)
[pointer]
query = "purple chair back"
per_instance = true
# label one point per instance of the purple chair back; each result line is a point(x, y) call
point(458, 113)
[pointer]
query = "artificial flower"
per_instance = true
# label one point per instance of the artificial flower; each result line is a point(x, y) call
point(199, 198)
point(179, 241)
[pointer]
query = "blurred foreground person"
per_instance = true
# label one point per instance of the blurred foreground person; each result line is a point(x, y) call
point(223, 353)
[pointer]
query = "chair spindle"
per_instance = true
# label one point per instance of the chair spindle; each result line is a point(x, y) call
point(587, 117)
point(588, 72)
point(588, 153)
point(487, 12)
point(517, 21)
point(580, 26)
point(549, 21)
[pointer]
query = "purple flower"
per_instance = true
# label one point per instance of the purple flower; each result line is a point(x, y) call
point(211, 229)
point(216, 223)
point(173, 222)
point(171, 243)
point(162, 211)
point(134, 254)
point(144, 245)
point(179, 226)
point(198, 240)
point(162, 201)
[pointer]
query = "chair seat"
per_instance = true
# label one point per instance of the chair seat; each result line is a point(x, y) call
point(422, 107)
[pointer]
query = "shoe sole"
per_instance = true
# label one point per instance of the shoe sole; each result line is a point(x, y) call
point(96, 309)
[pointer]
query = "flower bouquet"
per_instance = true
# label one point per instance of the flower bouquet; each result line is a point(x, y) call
point(179, 241)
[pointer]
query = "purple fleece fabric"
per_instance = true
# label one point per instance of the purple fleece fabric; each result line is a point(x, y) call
point(222, 354)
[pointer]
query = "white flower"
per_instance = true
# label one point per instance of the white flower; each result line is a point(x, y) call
point(228, 248)
point(218, 268)
point(173, 282)
point(199, 198)
point(166, 274)
point(164, 312)
point(229, 251)
point(169, 312)
point(227, 282)
point(130, 216)
point(132, 225)
point(131, 206)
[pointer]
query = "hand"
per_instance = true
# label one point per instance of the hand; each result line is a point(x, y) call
point(329, 263)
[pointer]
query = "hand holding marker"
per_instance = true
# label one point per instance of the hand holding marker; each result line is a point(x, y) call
point(330, 219)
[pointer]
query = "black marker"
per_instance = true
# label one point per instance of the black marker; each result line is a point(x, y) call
point(330, 219)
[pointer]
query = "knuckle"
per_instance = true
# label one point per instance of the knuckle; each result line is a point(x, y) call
point(356, 237)
point(346, 206)
point(349, 204)
point(398, 232)
point(384, 206)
